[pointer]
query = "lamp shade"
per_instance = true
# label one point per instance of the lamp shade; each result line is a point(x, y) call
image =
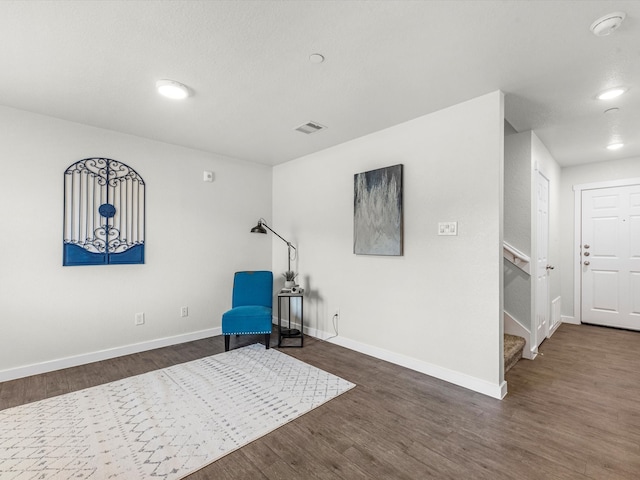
point(262, 227)
point(259, 229)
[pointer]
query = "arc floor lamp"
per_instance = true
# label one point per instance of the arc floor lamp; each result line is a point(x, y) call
point(262, 227)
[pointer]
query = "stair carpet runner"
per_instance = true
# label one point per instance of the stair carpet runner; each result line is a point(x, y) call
point(513, 348)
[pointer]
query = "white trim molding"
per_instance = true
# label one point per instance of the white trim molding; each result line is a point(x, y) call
point(451, 376)
point(497, 391)
point(85, 358)
point(569, 319)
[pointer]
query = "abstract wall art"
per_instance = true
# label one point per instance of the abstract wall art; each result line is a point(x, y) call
point(377, 212)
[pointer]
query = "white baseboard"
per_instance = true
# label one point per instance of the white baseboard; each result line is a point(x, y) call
point(553, 329)
point(568, 319)
point(457, 378)
point(514, 327)
point(83, 359)
point(451, 376)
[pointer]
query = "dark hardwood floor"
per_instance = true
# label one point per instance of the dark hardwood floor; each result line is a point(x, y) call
point(573, 413)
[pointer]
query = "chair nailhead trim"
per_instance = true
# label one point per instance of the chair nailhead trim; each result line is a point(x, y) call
point(245, 333)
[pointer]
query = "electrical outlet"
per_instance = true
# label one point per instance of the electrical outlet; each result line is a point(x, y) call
point(184, 312)
point(139, 318)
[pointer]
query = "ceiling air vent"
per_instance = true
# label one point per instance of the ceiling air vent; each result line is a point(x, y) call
point(310, 127)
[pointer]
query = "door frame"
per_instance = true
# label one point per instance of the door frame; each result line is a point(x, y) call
point(577, 235)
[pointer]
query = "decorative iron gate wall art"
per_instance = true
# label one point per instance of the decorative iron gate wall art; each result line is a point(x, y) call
point(103, 213)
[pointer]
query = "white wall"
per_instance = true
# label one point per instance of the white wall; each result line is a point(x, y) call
point(518, 168)
point(438, 308)
point(589, 173)
point(197, 235)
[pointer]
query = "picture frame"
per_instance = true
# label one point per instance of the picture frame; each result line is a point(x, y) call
point(378, 212)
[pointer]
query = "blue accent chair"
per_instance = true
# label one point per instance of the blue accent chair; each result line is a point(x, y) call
point(252, 304)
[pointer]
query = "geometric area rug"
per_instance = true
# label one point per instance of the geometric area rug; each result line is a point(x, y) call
point(163, 424)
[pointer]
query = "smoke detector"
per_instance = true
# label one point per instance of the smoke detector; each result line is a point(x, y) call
point(607, 24)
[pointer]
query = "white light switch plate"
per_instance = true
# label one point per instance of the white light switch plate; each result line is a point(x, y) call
point(448, 228)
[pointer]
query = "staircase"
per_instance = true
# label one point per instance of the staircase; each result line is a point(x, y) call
point(513, 347)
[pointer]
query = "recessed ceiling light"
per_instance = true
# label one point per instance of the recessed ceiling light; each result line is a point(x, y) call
point(611, 93)
point(615, 146)
point(607, 24)
point(316, 58)
point(172, 89)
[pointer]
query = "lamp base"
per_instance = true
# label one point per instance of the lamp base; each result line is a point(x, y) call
point(290, 332)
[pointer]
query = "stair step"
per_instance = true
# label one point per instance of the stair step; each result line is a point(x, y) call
point(513, 348)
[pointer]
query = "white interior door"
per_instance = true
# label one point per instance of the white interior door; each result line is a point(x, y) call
point(542, 260)
point(610, 256)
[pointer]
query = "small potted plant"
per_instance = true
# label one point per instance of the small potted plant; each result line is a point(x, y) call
point(289, 279)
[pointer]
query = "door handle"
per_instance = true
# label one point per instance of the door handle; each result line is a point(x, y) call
point(550, 267)
point(586, 254)
point(587, 262)
point(586, 246)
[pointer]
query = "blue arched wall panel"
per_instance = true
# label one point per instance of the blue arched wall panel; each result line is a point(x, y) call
point(104, 213)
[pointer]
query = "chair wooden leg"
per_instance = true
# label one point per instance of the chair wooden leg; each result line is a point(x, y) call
point(226, 342)
point(267, 340)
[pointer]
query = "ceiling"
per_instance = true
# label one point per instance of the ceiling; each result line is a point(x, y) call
point(386, 62)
